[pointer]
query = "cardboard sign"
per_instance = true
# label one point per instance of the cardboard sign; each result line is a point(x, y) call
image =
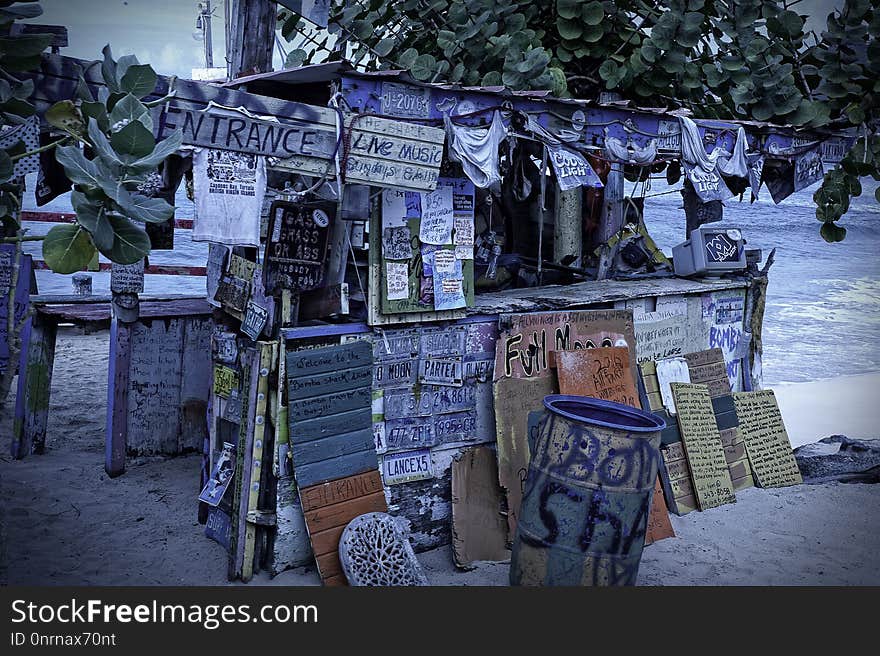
point(702, 444)
point(766, 440)
point(479, 531)
point(602, 373)
point(296, 247)
point(407, 466)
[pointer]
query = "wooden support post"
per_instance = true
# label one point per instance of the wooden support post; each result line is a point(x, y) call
point(568, 230)
point(34, 386)
point(117, 398)
point(250, 37)
point(613, 213)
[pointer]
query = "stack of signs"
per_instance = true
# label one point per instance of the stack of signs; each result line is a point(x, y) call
point(675, 475)
point(708, 368)
point(766, 440)
point(702, 446)
point(427, 247)
point(604, 373)
point(331, 442)
point(296, 247)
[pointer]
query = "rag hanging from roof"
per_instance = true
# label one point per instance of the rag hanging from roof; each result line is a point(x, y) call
point(477, 149)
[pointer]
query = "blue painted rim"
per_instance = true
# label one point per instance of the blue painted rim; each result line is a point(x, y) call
point(622, 417)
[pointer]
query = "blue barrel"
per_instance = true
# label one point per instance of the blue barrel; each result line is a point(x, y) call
point(587, 494)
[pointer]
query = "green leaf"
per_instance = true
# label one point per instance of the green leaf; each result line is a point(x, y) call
point(128, 110)
point(408, 58)
point(122, 66)
point(78, 168)
point(384, 47)
point(139, 80)
point(134, 139)
point(93, 217)
point(97, 111)
point(130, 243)
point(593, 33)
point(568, 8)
point(491, 79)
point(163, 149)
point(144, 208)
point(423, 67)
point(832, 233)
point(65, 116)
point(592, 13)
point(569, 29)
point(7, 167)
point(108, 69)
point(67, 248)
point(102, 144)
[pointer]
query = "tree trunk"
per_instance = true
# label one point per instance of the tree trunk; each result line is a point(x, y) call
point(250, 37)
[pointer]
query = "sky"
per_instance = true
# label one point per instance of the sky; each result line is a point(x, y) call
point(160, 32)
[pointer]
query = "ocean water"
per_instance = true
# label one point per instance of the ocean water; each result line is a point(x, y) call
point(823, 308)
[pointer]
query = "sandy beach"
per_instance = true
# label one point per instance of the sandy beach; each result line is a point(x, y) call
point(64, 522)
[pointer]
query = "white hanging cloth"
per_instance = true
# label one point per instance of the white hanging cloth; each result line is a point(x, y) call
point(477, 149)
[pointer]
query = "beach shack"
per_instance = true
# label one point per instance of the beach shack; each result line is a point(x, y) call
point(397, 271)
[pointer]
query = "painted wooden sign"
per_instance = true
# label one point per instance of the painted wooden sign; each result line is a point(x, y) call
point(602, 373)
point(379, 152)
point(766, 440)
point(702, 445)
point(328, 437)
point(329, 507)
point(225, 380)
point(407, 466)
point(254, 320)
point(708, 368)
point(296, 248)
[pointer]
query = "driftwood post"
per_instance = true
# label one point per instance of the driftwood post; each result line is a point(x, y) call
point(612, 218)
point(117, 397)
point(250, 37)
point(567, 233)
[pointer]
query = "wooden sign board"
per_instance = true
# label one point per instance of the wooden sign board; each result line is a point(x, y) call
point(479, 529)
point(602, 373)
point(702, 444)
point(766, 440)
point(296, 247)
point(330, 398)
point(379, 152)
point(329, 507)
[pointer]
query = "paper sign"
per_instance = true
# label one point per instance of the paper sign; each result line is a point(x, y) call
point(671, 370)
point(444, 262)
point(464, 252)
point(702, 445)
point(437, 221)
point(413, 205)
point(397, 280)
point(448, 287)
point(396, 243)
point(464, 230)
point(393, 208)
point(428, 259)
point(602, 373)
point(767, 443)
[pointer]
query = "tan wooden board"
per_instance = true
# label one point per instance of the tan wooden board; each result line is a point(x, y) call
point(655, 401)
point(681, 487)
point(730, 436)
point(651, 384)
point(340, 490)
point(767, 444)
point(673, 452)
point(702, 445)
point(735, 453)
point(708, 372)
point(699, 358)
point(677, 469)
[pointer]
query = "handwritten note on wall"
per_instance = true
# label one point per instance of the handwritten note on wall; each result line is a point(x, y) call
point(603, 373)
point(437, 218)
point(767, 443)
point(702, 445)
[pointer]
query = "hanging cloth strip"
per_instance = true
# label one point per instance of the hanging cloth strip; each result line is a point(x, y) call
point(477, 149)
point(571, 167)
point(627, 153)
point(701, 168)
point(735, 165)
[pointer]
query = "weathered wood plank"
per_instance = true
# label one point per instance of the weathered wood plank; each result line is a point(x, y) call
point(322, 427)
point(319, 406)
point(335, 446)
point(316, 361)
point(117, 398)
point(340, 490)
point(328, 382)
point(334, 515)
point(341, 466)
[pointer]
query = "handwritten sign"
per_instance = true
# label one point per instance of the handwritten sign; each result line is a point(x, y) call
point(396, 243)
point(127, 278)
point(767, 443)
point(296, 249)
point(463, 232)
point(397, 280)
point(407, 466)
point(437, 220)
point(602, 373)
point(702, 445)
point(671, 370)
point(382, 152)
point(394, 209)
